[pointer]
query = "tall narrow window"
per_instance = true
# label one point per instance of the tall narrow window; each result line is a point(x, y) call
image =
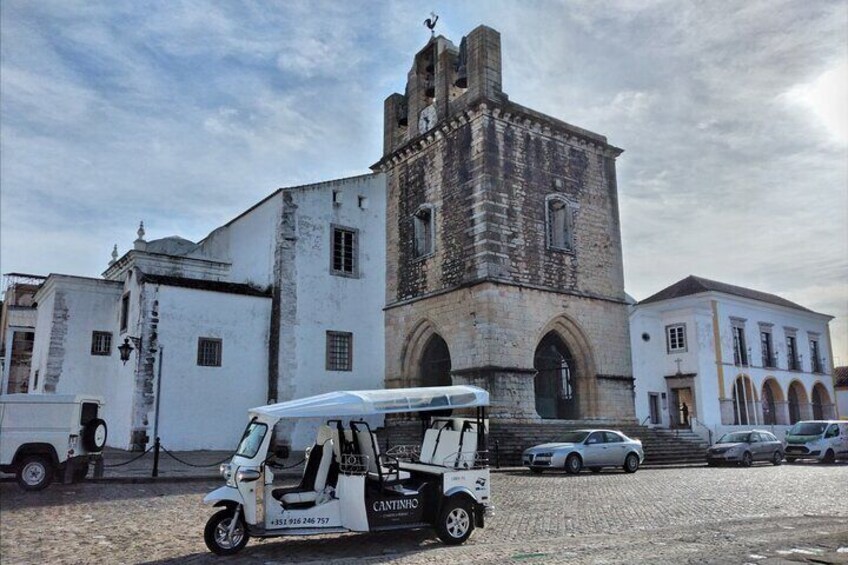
point(339, 351)
point(740, 351)
point(101, 343)
point(424, 232)
point(209, 352)
point(766, 348)
point(125, 311)
point(791, 353)
point(559, 226)
point(343, 255)
point(676, 338)
point(815, 359)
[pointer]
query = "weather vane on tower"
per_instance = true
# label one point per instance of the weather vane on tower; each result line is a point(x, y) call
point(431, 23)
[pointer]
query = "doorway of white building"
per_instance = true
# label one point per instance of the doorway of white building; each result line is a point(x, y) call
point(682, 408)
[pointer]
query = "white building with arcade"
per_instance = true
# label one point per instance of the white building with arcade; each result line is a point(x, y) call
point(715, 356)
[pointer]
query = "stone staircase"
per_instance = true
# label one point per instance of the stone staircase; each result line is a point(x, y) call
point(507, 440)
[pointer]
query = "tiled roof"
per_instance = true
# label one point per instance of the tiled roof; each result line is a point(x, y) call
point(840, 377)
point(696, 285)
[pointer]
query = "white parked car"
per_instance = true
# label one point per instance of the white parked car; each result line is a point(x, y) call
point(348, 485)
point(45, 435)
point(592, 449)
point(823, 440)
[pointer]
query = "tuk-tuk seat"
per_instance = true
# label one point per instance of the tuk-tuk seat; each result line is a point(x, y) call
point(368, 446)
point(314, 480)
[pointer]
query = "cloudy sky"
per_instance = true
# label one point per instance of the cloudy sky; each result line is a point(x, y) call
point(733, 115)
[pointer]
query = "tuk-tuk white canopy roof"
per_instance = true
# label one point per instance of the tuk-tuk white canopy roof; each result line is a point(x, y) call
point(383, 401)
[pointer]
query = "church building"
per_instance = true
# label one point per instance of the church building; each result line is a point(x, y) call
point(484, 248)
point(504, 264)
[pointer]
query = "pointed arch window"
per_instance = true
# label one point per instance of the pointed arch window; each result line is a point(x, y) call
point(559, 219)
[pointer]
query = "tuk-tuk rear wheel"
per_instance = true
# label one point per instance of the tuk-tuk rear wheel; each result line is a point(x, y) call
point(216, 533)
point(456, 521)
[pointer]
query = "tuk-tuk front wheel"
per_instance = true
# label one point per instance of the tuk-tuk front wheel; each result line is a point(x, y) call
point(456, 521)
point(217, 533)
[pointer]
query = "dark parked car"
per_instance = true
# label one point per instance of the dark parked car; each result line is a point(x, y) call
point(746, 447)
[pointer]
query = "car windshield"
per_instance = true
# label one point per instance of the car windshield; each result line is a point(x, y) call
point(734, 437)
point(807, 429)
point(574, 437)
point(252, 439)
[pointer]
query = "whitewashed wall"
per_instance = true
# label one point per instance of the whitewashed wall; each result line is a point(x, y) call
point(842, 403)
point(84, 305)
point(327, 302)
point(206, 407)
point(248, 243)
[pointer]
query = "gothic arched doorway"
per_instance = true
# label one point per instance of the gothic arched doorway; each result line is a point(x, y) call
point(435, 363)
point(435, 367)
point(555, 382)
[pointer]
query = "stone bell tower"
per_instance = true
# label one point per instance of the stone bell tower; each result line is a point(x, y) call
point(504, 265)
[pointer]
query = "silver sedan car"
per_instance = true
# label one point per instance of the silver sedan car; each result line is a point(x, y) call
point(592, 449)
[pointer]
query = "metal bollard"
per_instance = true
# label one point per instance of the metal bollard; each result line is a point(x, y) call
point(156, 446)
point(497, 454)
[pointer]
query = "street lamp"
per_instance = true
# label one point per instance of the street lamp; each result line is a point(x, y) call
point(125, 348)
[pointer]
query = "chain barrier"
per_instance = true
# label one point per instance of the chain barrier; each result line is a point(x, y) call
point(175, 458)
point(149, 449)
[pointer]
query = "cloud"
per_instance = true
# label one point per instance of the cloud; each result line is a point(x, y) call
point(732, 117)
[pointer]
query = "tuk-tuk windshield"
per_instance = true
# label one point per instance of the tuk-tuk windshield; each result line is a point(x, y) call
point(252, 439)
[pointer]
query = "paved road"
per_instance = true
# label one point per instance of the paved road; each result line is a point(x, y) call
point(760, 515)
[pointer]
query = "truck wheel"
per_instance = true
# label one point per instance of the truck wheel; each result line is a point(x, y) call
point(35, 473)
point(573, 464)
point(456, 521)
point(94, 435)
point(216, 533)
point(829, 456)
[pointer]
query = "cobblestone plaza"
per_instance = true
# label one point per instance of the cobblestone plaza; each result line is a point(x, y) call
point(765, 514)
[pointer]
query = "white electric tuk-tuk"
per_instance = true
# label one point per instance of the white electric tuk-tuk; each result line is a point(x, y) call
point(348, 485)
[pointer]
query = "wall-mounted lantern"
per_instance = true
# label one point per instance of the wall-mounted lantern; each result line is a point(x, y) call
point(125, 349)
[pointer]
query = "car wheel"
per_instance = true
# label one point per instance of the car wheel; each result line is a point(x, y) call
point(631, 463)
point(595, 469)
point(747, 459)
point(217, 533)
point(573, 464)
point(456, 521)
point(829, 456)
point(777, 459)
point(35, 473)
point(536, 470)
point(790, 460)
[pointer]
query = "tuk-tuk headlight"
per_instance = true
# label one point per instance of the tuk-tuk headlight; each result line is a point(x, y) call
point(226, 470)
point(247, 475)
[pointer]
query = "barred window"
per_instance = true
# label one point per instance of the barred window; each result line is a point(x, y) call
point(209, 352)
point(101, 343)
point(339, 351)
point(676, 338)
point(343, 253)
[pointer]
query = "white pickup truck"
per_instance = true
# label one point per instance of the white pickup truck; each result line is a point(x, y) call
point(43, 436)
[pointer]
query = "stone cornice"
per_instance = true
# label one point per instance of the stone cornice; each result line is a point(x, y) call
point(508, 112)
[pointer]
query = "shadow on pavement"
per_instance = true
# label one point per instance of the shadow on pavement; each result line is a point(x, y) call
point(377, 548)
